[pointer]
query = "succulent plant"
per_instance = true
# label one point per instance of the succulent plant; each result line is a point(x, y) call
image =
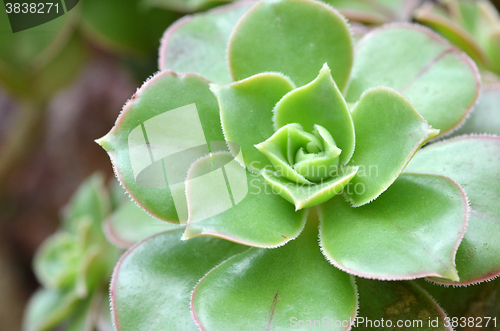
point(266, 129)
point(74, 266)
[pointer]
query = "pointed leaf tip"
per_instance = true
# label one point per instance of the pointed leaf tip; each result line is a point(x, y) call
point(389, 131)
point(103, 142)
point(417, 242)
point(441, 82)
point(305, 196)
point(171, 113)
point(452, 275)
point(474, 163)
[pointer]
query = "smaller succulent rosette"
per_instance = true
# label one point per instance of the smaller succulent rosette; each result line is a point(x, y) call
point(74, 265)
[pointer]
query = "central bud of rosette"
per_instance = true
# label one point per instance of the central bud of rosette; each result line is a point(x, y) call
point(312, 145)
point(302, 157)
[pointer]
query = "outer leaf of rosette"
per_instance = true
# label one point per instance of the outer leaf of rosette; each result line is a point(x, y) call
point(440, 81)
point(375, 12)
point(431, 15)
point(473, 162)
point(361, 11)
point(166, 125)
point(273, 289)
point(413, 230)
point(388, 133)
point(227, 201)
point(152, 283)
point(246, 114)
point(295, 37)
point(319, 103)
point(198, 43)
point(304, 195)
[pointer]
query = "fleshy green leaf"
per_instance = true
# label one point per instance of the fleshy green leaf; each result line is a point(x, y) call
point(486, 115)
point(198, 43)
point(373, 12)
point(252, 99)
point(397, 302)
point(48, 308)
point(58, 260)
point(272, 289)
point(474, 162)
point(129, 224)
point(91, 202)
point(170, 122)
point(152, 283)
point(429, 15)
point(388, 132)
point(412, 230)
point(440, 81)
point(242, 208)
point(304, 195)
point(125, 25)
point(360, 11)
point(319, 103)
point(493, 48)
point(295, 37)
